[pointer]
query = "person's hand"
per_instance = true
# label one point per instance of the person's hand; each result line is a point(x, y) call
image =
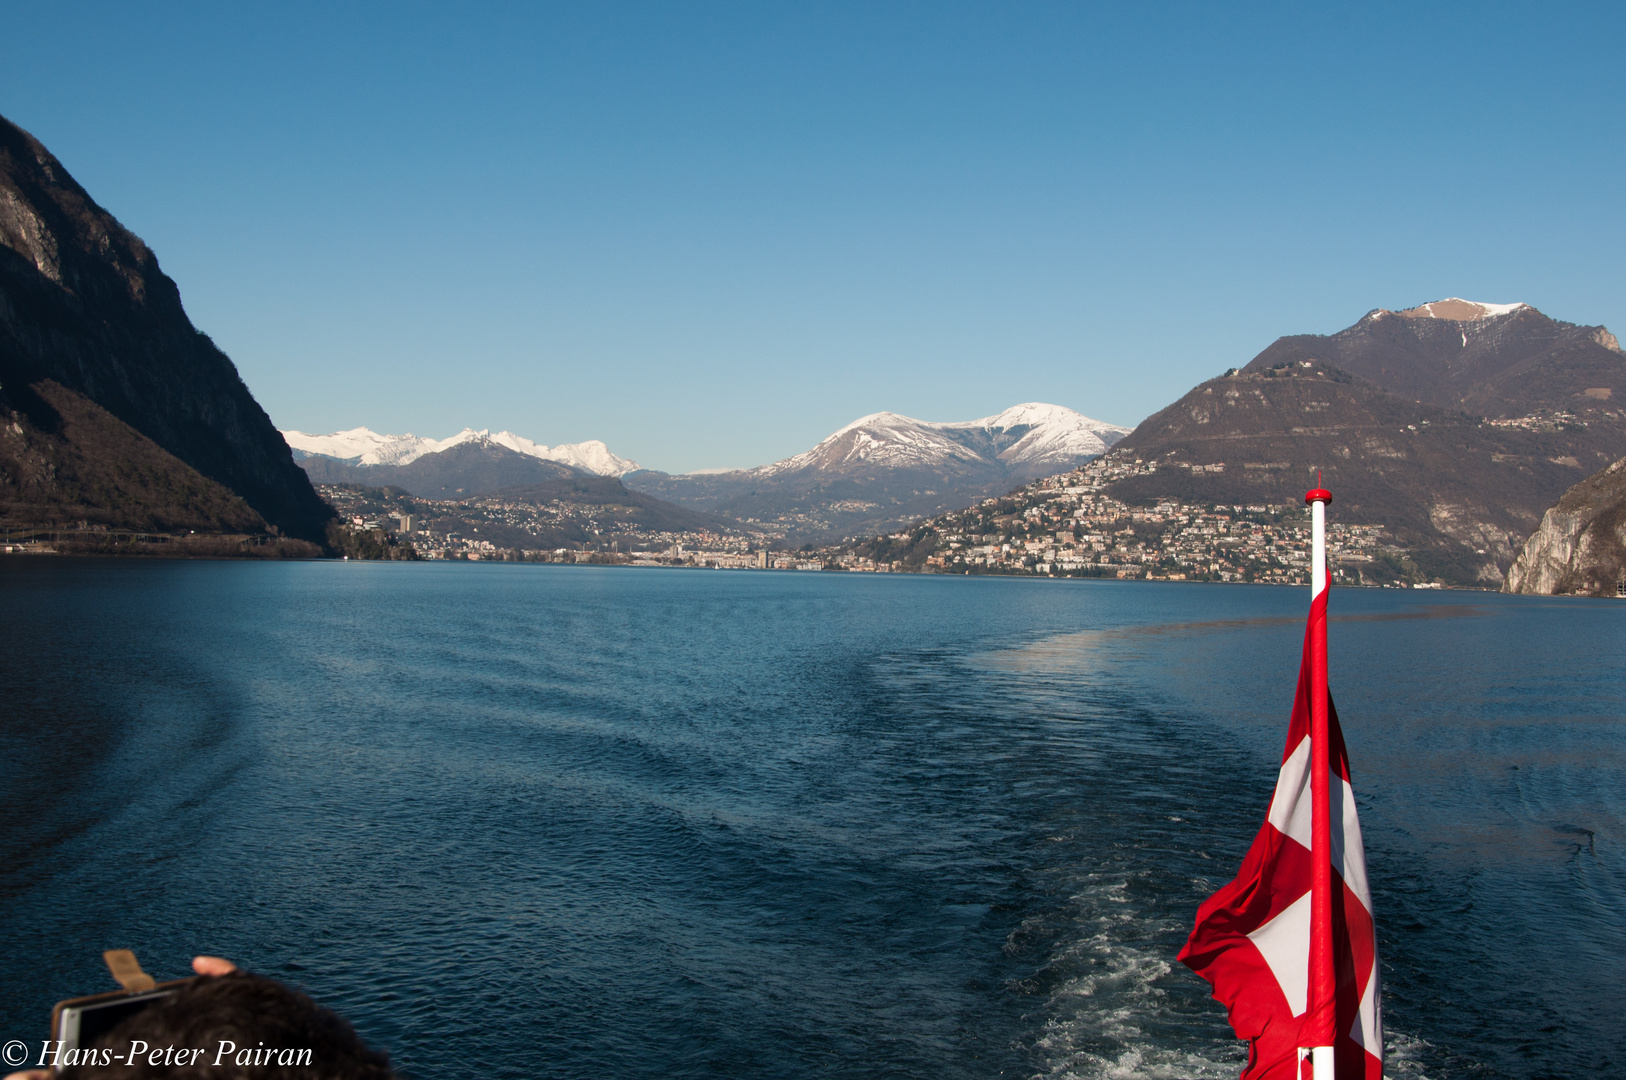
point(203, 965)
point(208, 965)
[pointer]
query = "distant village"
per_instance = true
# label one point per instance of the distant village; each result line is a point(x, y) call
point(1061, 526)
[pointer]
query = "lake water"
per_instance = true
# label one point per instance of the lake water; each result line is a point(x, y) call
point(535, 821)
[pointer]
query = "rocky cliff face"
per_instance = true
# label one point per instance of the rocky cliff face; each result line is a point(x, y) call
point(84, 306)
point(1580, 549)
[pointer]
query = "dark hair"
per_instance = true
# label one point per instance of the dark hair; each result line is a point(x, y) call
point(235, 1027)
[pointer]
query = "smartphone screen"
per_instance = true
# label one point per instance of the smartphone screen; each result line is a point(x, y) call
point(82, 1021)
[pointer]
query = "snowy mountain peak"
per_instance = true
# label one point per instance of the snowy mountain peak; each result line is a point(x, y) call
point(1052, 433)
point(876, 420)
point(592, 456)
point(1033, 413)
point(362, 446)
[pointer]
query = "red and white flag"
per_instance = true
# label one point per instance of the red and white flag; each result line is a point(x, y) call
point(1252, 941)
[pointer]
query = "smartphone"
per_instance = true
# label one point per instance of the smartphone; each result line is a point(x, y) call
point(81, 1021)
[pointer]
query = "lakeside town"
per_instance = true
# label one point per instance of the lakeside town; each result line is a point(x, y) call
point(1060, 526)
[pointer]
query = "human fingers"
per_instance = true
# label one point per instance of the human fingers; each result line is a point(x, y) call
point(208, 965)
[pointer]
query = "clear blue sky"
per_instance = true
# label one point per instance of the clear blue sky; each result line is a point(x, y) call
point(710, 234)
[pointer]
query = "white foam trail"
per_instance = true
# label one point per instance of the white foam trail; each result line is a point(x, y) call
point(1099, 1020)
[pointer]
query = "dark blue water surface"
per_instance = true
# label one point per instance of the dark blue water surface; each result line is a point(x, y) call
point(534, 821)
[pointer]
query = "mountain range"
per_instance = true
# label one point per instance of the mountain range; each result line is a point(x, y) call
point(361, 446)
point(1454, 424)
point(876, 472)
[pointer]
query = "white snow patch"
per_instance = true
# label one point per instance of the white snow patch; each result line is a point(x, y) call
point(1483, 310)
point(1492, 310)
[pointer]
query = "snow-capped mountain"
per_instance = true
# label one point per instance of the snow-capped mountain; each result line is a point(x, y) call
point(362, 446)
point(1047, 433)
point(886, 468)
point(883, 439)
point(1030, 434)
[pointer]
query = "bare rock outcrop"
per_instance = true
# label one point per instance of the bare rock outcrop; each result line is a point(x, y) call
point(1580, 549)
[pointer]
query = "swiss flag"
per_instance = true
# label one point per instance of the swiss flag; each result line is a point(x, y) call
point(1252, 939)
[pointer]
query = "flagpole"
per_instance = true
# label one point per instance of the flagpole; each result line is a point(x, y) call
point(1320, 1022)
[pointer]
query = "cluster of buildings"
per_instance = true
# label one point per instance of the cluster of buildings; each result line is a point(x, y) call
point(495, 529)
point(1557, 421)
point(738, 556)
point(609, 548)
point(554, 516)
point(1068, 526)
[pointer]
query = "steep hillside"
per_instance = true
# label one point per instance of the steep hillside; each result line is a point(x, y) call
point(1453, 424)
point(1460, 491)
point(67, 462)
point(84, 305)
point(606, 498)
point(1580, 549)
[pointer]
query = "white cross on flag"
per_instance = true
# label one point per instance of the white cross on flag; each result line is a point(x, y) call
point(1253, 938)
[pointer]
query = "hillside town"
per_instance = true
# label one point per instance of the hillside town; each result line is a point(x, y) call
point(1067, 526)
